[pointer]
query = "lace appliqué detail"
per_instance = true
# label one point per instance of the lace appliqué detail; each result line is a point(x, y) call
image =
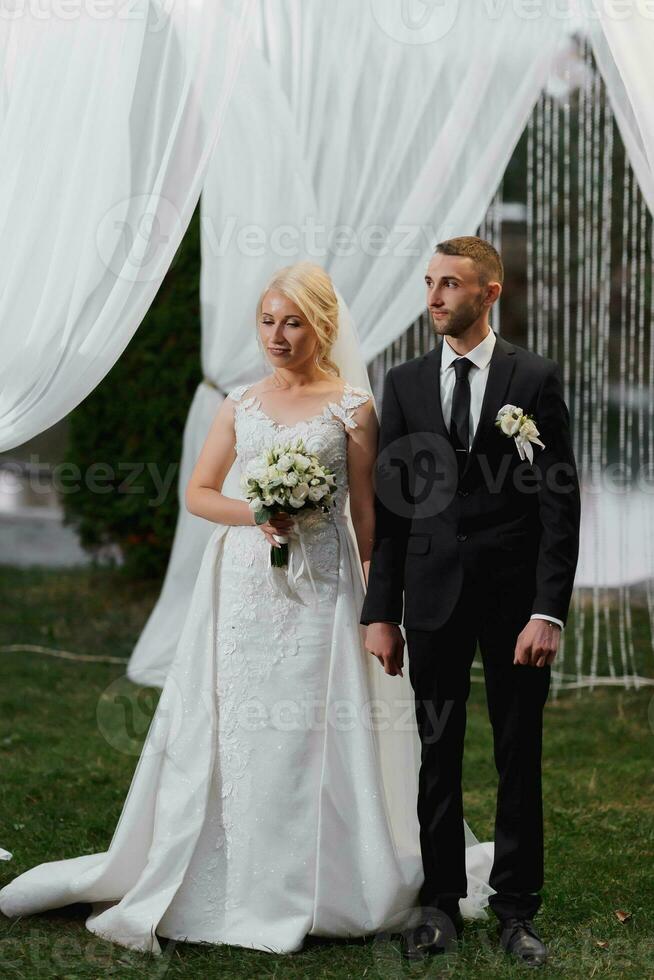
point(237, 393)
point(351, 400)
point(343, 410)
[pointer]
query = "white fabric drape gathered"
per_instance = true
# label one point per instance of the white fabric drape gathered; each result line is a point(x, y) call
point(337, 122)
point(108, 117)
point(623, 48)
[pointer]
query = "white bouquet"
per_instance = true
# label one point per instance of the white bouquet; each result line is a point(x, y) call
point(284, 479)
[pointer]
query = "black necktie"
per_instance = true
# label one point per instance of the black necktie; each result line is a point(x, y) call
point(460, 422)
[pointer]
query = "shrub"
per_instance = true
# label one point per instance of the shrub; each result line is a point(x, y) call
point(134, 421)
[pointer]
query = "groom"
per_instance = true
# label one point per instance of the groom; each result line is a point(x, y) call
point(479, 545)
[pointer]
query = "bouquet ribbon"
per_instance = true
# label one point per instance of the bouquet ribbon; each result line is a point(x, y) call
point(287, 580)
point(524, 446)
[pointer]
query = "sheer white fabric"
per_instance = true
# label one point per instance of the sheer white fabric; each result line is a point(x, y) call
point(262, 188)
point(107, 122)
point(259, 812)
point(404, 124)
point(623, 48)
point(340, 123)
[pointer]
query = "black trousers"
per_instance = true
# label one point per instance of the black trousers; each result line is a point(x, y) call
point(439, 670)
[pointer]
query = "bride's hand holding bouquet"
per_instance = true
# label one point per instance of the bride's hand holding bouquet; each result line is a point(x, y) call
point(283, 480)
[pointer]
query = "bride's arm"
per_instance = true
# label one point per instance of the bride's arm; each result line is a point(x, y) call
point(362, 452)
point(203, 491)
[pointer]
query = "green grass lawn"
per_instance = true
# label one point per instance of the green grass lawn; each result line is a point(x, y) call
point(67, 757)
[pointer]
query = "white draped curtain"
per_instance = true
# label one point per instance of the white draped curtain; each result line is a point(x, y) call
point(623, 48)
point(352, 144)
point(359, 135)
point(109, 113)
point(406, 128)
point(624, 51)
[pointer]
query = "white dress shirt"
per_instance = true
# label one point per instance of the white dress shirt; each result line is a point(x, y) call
point(477, 376)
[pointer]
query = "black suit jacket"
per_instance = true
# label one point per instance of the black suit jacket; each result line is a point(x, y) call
point(515, 522)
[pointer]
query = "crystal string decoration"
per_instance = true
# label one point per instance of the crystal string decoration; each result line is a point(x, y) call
point(589, 299)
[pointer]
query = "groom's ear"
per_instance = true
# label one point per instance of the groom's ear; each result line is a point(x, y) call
point(493, 292)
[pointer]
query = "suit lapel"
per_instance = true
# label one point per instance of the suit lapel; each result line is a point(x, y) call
point(500, 370)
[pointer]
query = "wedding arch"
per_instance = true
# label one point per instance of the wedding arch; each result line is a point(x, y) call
point(358, 135)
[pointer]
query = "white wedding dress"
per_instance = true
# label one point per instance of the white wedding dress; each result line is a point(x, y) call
point(266, 806)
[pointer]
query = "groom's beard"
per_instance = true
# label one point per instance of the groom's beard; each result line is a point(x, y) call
point(458, 320)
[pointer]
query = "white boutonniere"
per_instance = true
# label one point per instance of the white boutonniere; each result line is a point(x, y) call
point(512, 421)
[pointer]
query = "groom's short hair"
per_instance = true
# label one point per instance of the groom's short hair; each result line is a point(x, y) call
point(483, 254)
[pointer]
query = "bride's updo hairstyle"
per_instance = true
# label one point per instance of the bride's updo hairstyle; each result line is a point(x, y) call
point(311, 289)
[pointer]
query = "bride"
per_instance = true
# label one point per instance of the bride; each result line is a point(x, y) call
point(275, 795)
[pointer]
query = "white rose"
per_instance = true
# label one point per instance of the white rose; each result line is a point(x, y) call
point(284, 463)
point(317, 493)
point(291, 480)
point(268, 500)
point(257, 471)
point(510, 425)
point(256, 504)
point(302, 462)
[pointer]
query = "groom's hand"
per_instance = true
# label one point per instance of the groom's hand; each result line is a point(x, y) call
point(385, 641)
point(537, 644)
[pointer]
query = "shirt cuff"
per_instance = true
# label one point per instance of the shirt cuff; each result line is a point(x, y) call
point(552, 619)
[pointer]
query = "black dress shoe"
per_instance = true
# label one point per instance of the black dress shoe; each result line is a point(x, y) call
point(519, 938)
point(436, 934)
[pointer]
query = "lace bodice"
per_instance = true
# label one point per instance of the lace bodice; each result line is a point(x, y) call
point(324, 434)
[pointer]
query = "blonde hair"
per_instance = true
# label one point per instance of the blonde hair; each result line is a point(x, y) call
point(311, 289)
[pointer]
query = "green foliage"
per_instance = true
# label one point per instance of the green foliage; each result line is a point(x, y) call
point(126, 437)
